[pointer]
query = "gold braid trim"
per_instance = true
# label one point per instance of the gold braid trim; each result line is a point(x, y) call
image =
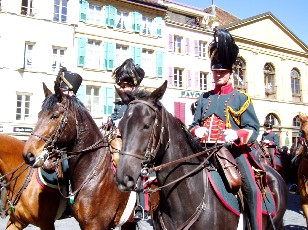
point(236, 115)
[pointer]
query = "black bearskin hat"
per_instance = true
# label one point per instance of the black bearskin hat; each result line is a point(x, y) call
point(128, 72)
point(222, 50)
point(267, 124)
point(69, 80)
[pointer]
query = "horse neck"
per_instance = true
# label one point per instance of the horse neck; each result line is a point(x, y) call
point(88, 134)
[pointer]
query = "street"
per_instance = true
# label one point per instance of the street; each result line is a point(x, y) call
point(293, 219)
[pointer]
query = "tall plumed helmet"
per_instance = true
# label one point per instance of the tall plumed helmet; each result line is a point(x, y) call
point(222, 50)
point(129, 73)
point(68, 80)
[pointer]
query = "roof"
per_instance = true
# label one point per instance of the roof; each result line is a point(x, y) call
point(182, 4)
point(224, 17)
point(151, 3)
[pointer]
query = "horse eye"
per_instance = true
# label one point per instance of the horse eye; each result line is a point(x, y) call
point(54, 116)
point(146, 126)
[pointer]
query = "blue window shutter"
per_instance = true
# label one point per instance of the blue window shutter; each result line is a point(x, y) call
point(81, 93)
point(159, 26)
point(81, 51)
point(137, 55)
point(109, 55)
point(110, 15)
point(159, 64)
point(109, 97)
point(136, 19)
point(84, 5)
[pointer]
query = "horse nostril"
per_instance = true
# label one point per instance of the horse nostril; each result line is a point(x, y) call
point(30, 158)
point(129, 182)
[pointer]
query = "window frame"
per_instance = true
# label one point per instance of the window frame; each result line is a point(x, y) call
point(148, 61)
point(28, 54)
point(95, 15)
point(178, 77)
point(61, 15)
point(147, 25)
point(203, 80)
point(239, 67)
point(178, 44)
point(24, 114)
point(58, 58)
point(122, 53)
point(202, 49)
point(124, 24)
point(27, 7)
point(269, 77)
point(94, 56)
point(93, 102)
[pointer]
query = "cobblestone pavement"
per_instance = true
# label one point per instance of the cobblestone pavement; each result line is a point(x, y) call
point(293, 219)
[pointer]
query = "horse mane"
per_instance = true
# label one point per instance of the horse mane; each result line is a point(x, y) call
point(51, 101)
point(193, 141)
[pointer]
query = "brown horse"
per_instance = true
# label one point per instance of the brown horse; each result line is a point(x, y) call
point(65, 129)
point(26, 201)
point(153, 140)
point(302, 172)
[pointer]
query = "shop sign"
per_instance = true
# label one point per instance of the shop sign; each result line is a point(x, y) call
point(190, 94)
point(22, 129)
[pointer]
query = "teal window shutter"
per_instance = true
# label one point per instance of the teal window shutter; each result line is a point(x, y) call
point(84, 5)
point(109, 51)
point(136, 19)
point(110, 15)
point(159, 64)
point(81, 93)
point(109, 97)
point(82, 42)
point(159, 25)
point(137, 55)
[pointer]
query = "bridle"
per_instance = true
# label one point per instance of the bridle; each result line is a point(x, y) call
point(50, 141)
point(153, 145)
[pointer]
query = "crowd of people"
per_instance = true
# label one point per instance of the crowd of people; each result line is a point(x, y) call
point(223, 114)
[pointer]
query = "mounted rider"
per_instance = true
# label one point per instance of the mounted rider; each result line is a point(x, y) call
point(227, 115)
point(271, 141)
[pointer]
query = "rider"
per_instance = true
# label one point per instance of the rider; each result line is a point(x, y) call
point(227, 115)
point(271, 141)
point(128, 77)
point(69, 82)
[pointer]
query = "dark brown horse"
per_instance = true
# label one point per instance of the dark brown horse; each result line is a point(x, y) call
point(26, 201)
point(153, 137)
point(302, 172)
point(66, 129)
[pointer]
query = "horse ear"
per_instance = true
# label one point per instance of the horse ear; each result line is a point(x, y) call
point(124, 96)
point(46, 90)
point(58, 91)
point(158, 93)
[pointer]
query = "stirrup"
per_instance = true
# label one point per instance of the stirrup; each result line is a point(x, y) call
point(139, 213)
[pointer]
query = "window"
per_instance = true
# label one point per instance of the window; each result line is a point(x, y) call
point(295, 77)
point(60, 10)
point(178, 77)
point(296, 135)
point(147, 25)
point(272, 119)
point(296, 122)
point(28, 56)
point(148, 62)
point(122, 20)
point(121, 54)
point(92, 100)
point(269, 79)
point(58, 58)
point(202, 49)
point(203, 81)
point(94, 58)
point(95, 15)
point(22, 107)
point(178, 44)
point(239, 74)
point(27, 7)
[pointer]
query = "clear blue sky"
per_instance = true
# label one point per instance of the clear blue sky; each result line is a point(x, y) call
point(292, 13)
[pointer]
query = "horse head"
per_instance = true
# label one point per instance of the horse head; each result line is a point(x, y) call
point(304, 125)
point(56, 127)
point(141, 128)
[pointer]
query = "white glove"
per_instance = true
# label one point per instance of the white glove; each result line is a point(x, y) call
point(116, 122)
point(266, 141)
point(230, 135)
point(201, 132)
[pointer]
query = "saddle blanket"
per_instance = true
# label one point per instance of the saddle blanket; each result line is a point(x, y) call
point(231, 202)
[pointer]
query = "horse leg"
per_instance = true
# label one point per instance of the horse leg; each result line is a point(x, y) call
point(304, 205)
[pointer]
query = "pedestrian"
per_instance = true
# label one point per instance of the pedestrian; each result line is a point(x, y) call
point(227, 115)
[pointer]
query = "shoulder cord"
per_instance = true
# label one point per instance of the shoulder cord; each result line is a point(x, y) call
point(236, 115)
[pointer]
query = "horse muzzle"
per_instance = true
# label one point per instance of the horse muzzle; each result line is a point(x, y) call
point(36, 162)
